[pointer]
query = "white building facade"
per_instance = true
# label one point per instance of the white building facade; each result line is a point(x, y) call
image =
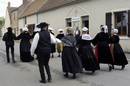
point(29, 20)
point(92, 14)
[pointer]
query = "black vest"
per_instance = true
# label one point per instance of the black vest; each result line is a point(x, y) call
point(44, 43)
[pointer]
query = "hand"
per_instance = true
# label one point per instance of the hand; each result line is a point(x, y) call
point(32, 55)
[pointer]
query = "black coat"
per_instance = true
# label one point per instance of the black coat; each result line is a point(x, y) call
point(9, 38)
point(101, 41)
point(119, 56)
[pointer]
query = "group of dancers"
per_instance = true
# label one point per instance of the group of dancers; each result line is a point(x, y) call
point(84, 52)
point(77, 51)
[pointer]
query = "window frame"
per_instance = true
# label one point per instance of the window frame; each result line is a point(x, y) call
point(68, 20)
point(82, 21)
point(114, 14)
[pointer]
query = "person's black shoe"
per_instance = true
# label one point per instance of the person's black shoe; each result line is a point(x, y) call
point(42, 81)
point(110, 68)
point(113, 67)
point(66, 75)
point(49, 80)
point(8, 61)
point(123, 67)
point(74, 76)
point(93, 71)
point(14, 62)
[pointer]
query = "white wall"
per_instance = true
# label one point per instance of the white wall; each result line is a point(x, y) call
point(29, 20)
point(32, 19)
point(96, 9)
point(21, 23)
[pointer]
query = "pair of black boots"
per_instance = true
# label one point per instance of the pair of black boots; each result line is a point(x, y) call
point(44, 81)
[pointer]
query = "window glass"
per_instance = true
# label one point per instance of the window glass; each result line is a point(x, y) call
point(121, 22)
point(68, 22)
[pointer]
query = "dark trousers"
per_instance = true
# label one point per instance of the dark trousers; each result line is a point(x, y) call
point(12, 53)
point(43, 61)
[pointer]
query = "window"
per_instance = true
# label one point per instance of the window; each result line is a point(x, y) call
point(121, 22)
point(85, 21)
point(68, 22)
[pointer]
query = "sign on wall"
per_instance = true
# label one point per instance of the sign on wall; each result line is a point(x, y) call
point(75, 19)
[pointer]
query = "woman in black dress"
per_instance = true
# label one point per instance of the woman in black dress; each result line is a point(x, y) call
point(25, 45)
point(70, 60)
point(103, 53)
point(86, 53)
point(117, 52)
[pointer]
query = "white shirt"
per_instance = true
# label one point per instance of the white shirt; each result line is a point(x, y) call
point(54, 40)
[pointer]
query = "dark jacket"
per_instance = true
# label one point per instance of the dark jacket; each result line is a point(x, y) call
point(9, 38)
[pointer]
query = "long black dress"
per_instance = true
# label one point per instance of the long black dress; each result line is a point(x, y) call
point(118, 54)
point(71, 62)
point(25, 45)
point(87, 55)
point(103, 52)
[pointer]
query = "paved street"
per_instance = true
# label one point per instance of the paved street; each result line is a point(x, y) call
point(27, 74)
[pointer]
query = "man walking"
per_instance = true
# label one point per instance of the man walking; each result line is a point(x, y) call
point(9, 38)
point(41, 45)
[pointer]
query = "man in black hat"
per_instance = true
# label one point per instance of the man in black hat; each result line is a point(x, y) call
point(9, 38)
point(41, 45)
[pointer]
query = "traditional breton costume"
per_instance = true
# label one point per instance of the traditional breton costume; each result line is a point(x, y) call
point(60, 45)
point(70, 60)
point(25, 45)
point(117, 52)
point(41, 46)
point(86, 53)
point(103, 53)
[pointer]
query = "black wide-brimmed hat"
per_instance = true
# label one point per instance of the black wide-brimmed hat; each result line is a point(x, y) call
point(42, 25)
